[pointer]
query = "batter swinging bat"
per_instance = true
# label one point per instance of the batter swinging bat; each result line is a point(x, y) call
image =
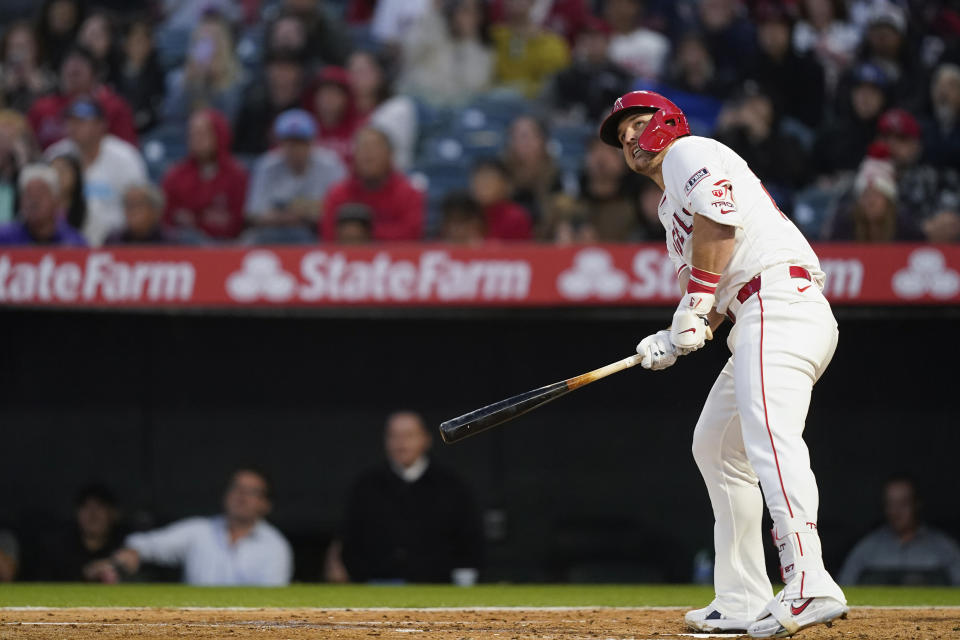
point(499, 412)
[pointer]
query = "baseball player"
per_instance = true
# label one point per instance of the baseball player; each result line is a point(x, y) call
point(738, 256)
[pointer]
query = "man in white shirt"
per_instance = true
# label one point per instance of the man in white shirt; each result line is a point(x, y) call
point(110, 165)
point(738, 256)
point(236, 548)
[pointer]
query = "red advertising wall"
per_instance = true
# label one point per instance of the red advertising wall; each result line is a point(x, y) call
point(432, 276)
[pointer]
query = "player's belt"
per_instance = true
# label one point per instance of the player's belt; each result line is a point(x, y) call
point(753, 286)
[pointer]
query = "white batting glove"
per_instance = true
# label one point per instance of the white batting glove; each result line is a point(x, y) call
point(690, 328)
point(656, 351)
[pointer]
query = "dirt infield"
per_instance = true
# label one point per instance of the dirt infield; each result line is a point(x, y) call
point(434, 624)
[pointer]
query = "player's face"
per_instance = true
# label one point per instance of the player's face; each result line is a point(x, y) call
point(629, 130)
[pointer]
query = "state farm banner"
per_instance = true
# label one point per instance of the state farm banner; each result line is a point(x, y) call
point(429, 275)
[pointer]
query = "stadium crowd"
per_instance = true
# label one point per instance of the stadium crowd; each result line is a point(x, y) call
point(351, 121)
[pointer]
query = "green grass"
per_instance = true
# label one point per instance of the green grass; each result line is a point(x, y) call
point(487, 595)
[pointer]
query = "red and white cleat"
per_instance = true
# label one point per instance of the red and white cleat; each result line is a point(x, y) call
point(782, 619)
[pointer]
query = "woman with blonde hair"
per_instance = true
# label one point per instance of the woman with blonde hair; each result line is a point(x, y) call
point(211, 77)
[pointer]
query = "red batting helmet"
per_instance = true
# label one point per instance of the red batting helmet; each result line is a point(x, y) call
point(668, 122)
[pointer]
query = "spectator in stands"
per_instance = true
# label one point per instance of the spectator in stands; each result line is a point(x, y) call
point(564, 17)
point(490, 186)
point(16, 151)
point(22, 78)
point(585, 90)
point(904, 550)
point(237, 548)
point(446, 54)
point(729, 37)
point(873, 215)
point(842, 143)
point(824, 32)
point(9, 556)
point(408, 519)
point(327, 40)
point(534, 174)
point(40, 220)
point(354, 223)
point(749, 126)
point(183, 15)
point(206, 191)
point(280, 90)
point(929, 194)
point(941, 146)
point(377, 105)
point(78, 77)
point(287, 35)
point(691, 69)
point(98, 36)
point(143, 206)
point(331, 101)
point(393, 20)
point(885, 45)
point(210, 77)
point(290, 183)
point(462, 221)
point(608, 195)
point(72, 201)
point(57, 24)
point(94, 535)
point(526, 56)
point(109, 166)
point(398, 206)
point(794, 81)
point(139, 78)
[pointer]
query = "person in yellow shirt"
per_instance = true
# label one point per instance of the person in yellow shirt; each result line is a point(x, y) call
point(526, 56)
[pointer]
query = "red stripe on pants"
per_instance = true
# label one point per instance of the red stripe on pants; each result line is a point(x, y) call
point(766, 419)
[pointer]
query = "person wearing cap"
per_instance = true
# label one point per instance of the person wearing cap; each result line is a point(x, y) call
point(841, 144)
point(78, 78)
point(586, 88)
point(354, 223)
point(398, 206)
point(290, 182)
point(331, 102)
point(446, 58)
point(94, 534)
point(110, 165)
point(794, 80)
point(280, 90)
point(206, 191)
point(41, 220)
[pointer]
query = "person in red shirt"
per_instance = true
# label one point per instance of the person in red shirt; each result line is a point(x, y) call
point(78, 77)
point(206, 191)
point(398, 207)
point(490, 186)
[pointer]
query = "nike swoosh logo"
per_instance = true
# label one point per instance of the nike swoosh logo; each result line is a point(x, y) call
point(725, 211)
point(798, 610)
point(802, 289)
point(688, 330)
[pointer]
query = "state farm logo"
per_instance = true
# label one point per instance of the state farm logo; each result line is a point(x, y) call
point(262, 276)
point(593, 274)
point(926, 273)
point(338, 277)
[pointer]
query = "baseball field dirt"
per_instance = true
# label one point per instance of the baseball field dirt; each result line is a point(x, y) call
point(435, 624)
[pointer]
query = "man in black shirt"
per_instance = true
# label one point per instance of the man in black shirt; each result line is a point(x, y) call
point(408, 519)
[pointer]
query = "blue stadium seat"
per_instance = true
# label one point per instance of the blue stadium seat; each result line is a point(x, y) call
point(171, 45)
point(162, 147)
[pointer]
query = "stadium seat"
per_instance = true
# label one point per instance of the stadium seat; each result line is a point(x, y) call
point(171, 46)
point(162, 147)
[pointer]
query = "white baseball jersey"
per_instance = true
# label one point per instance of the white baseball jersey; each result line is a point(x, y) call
point(706, 177)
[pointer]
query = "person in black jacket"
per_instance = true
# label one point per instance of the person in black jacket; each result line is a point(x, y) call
point(408, 519)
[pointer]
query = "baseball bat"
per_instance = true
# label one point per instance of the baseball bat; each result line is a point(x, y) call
point(497, 413)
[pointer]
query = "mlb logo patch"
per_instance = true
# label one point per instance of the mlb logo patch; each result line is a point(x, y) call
point(694, 180)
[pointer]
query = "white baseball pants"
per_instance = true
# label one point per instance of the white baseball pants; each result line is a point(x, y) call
point(751, 431)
